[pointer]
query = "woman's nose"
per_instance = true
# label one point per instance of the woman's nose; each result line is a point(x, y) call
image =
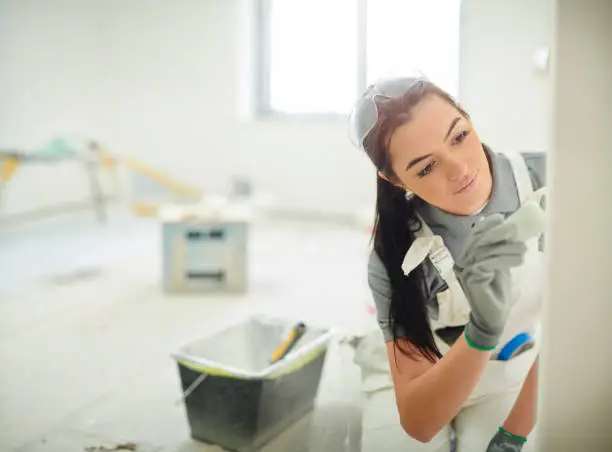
point(457, 168)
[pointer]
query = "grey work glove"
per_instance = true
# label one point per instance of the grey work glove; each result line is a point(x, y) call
point(502, 442)
point(483, 270)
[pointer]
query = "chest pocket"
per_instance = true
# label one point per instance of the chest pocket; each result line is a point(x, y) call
point(434, 285)
point(440, 324)
point(453, 309)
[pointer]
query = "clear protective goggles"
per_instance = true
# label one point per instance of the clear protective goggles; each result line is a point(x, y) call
point(364, 115)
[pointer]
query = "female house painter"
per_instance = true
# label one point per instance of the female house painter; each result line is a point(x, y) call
point(454, 277)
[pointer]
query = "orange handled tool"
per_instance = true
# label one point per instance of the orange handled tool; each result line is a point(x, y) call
point(294, 335)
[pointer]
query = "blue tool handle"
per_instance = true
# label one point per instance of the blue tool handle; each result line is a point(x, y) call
point(513, 345)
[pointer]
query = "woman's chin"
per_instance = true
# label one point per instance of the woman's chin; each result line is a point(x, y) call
point(470, 207)
point(477, 199)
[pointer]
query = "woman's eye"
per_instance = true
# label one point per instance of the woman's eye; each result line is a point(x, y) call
point(459, 138)
point(425, 171)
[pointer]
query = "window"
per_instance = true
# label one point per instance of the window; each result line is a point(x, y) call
point(316, 56)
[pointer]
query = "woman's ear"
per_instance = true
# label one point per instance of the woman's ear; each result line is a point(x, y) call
point(409, 194)
point(382, 176)
point(395, 184)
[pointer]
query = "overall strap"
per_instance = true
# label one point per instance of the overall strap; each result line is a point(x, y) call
point(427, 244)
point(451, 310)
point(521, 175)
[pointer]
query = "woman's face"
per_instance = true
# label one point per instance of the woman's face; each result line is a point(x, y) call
point(438, 156)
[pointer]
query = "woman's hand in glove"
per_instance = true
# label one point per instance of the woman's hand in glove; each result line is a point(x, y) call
point(505, 442)
point(483, 270)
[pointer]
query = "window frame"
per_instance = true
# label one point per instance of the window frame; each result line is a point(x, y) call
point(261, 99)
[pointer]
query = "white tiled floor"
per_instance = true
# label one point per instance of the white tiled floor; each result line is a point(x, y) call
point(85, 363)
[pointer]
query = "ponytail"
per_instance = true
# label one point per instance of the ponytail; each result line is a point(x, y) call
point(396, 222)
point(395, 225)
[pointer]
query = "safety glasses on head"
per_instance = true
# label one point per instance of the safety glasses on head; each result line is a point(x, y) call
point(364, 115)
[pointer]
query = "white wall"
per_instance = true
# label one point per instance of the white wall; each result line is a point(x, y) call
point(51, 83)
point(576, 383)
point(507, 98)
point(160, 80)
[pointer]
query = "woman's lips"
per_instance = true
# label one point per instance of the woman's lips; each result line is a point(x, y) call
point(467, 186)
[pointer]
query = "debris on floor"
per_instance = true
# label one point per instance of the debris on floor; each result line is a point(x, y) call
point(75, 276)
point(120, 447)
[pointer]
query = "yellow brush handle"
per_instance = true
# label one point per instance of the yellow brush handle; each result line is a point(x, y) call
point(296, 332)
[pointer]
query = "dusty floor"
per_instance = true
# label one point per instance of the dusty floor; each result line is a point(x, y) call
point(86, 334)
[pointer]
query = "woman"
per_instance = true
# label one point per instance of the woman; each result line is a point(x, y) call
point(450, 289)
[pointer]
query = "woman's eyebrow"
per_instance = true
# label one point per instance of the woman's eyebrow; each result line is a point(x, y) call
point(452, 126)
point(417, 160)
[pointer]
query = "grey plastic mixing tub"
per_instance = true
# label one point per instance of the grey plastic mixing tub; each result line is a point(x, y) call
point(234, 397)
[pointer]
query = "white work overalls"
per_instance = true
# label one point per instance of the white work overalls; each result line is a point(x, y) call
point(494, 395)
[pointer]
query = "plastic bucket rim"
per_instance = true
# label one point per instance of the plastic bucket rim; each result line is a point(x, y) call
point(321, 341)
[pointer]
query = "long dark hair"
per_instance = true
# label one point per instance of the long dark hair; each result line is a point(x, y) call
point(396, 223)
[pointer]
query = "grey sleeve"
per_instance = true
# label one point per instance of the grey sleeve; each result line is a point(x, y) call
point(380, 285)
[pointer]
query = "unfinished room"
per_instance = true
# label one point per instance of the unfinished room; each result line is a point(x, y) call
point(305, 225)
